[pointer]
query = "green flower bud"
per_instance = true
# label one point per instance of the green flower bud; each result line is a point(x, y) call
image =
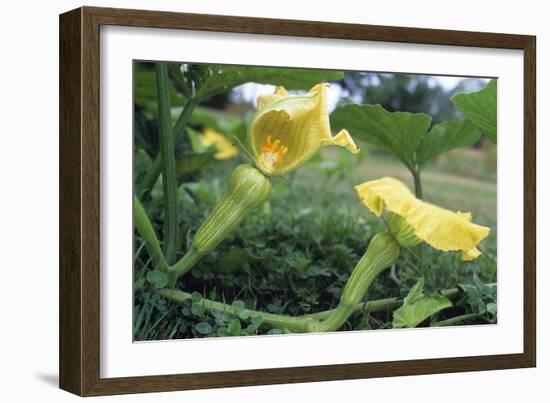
point(248, 189)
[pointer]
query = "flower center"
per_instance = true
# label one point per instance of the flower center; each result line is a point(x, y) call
point(273, 152)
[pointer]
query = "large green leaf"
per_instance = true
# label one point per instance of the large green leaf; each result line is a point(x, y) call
point(205, 81)
point(417, 307)
point(444, 137)
point(398, 132)
point(210, 118)
point(145, 92)
point(481, 108)
point(232, 126)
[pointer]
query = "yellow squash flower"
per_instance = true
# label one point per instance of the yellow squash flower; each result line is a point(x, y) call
point(288, 129)
point(226, 150)
point(440, 228)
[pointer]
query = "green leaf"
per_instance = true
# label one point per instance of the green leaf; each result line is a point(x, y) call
point(223, 332)
point(417, 307)
point(196, 297)
point(195, 141)
point(235, 327)
point(481, 108)
point(203, 328)
point(257, 320)
point(398, 132)
point(213, 119)
point(197, 309)
point(145, 93)
point(244, 314)
point(188, 164)
point(238, 305)
point(214, 79)
point(444, 137)
point(157, 278)
point(231, 126)
point(232, 259)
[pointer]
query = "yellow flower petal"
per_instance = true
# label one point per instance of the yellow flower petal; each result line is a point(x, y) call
point(471, 254)
point(266, 100)
point(226, 150)
point(288, 129)
point(442, 229)
point(343, 139)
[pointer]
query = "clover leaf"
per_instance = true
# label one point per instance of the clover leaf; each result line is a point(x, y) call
point(417, 307)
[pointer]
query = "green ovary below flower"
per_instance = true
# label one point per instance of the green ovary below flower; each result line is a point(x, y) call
point(288, 129)
point(440, 228)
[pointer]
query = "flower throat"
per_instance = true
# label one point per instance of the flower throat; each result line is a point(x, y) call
point(273, 152)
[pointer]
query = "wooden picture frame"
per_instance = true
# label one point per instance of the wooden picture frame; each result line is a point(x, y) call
point(80, 199)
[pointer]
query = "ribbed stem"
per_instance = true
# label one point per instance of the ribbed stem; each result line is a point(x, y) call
point(168, 157)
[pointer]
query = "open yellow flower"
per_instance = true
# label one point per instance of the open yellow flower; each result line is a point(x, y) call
point(226, 150)
point(288, 129)
point(440, 228)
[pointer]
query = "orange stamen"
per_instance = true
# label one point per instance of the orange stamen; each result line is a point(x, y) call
point(273, 151)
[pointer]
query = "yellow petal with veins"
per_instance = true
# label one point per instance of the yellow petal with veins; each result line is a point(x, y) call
point(443, 229)
point(288, 129)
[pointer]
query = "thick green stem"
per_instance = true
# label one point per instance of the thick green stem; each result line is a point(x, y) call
point(297, 324)
point(146, 230)
point(417, 184)
point(423, 251)
point(182, 266)
point(382, 252)
point(377, 305)
point(179, 128)
point(456, 319)
point(168, 157)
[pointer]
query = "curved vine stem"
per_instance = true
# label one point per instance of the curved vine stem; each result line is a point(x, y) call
point(293, 323)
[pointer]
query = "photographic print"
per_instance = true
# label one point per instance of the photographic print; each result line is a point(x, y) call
point(272, 201)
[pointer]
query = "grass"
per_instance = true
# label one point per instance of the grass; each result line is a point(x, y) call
point(453, 191)
point(293, 255)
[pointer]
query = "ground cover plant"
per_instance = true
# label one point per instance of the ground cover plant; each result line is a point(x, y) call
point(290, 219)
